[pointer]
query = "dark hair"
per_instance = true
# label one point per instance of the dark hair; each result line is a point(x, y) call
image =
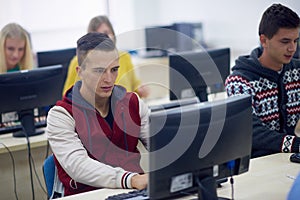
point(93, 41)
point(275, 17)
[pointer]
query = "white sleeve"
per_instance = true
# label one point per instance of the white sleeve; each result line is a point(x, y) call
point(144, 115)
point(73, 157)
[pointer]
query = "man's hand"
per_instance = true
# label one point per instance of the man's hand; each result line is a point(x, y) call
point(139, 181)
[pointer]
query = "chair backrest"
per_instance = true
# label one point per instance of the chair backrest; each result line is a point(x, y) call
point(49, 174)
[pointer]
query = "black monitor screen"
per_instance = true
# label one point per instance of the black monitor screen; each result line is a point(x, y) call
point(197, 73)
point(161, 39)
point(28, 89)
point(196, 144)
point(55, 57)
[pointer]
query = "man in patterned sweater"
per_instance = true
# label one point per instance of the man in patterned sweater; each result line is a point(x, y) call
point(272, 77)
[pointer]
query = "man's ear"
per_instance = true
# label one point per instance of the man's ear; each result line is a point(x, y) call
point(263, 40)
point(79, 71)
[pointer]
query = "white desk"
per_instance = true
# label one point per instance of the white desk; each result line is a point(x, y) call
point(18, 148)
point(268, 178)
point(17, 144)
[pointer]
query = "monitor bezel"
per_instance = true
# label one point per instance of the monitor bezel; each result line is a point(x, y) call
point(159, 186)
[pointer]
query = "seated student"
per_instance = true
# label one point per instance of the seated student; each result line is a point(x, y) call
point(15, 49)
point(15, 54)
point(94, 130)
point(271, 76)
point(126, 77)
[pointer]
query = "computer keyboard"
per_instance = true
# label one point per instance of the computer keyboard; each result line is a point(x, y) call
point(143, 194)
point(132, 195)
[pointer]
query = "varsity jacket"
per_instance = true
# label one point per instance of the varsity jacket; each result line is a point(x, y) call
point(88, 153)
point(275, 102)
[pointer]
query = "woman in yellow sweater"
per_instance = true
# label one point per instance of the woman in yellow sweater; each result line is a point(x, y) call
point(126, 75)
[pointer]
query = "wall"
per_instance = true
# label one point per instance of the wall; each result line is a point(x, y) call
point(59, 23)
point(53, 24)
point(232, 23)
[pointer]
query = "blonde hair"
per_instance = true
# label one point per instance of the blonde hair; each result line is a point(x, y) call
point(97, 21)
point(13, 30)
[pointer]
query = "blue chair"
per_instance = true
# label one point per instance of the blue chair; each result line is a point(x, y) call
point(49, 174)
point(294, 192)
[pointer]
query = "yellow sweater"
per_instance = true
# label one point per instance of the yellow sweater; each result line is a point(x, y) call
point(126, 75)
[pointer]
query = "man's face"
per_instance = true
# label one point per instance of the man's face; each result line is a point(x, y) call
point(282, 46)
point(100, 72)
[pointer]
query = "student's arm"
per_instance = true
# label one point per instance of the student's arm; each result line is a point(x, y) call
point(144, 114)
point(74, 158)
point(265, 141)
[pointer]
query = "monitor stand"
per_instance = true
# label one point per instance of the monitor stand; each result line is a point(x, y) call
point(27, 122)
point(201, 93)
point(207, 189)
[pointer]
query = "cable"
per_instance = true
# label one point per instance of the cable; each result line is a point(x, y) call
point(29, 161)
point(47, 149)
point(14, 169)
point(37, 177)
point(231, 165)
point(232, 187)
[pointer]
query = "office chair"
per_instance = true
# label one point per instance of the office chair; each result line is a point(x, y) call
point(54, 186)
point(49, 174)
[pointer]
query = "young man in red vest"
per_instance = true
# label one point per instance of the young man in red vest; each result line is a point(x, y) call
point(94, 130)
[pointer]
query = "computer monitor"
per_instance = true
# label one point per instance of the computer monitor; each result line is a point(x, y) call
point(29, 89)
point(160, 40)
point(193, 145)
point(174, 104)
point(177, 37)
point(193, 31)
point(197, 73)
point(55, 57)
point(297, 53)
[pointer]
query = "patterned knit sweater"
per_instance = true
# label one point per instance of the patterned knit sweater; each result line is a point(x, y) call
point(275, 102)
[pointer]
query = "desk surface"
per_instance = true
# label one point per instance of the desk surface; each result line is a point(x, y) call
point(269, 177)
point(17, 144)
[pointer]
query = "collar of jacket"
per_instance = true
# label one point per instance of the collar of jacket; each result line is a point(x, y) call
point(73, 96)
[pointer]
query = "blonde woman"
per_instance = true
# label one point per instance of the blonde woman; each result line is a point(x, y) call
point(15, 49)
point(15, 54)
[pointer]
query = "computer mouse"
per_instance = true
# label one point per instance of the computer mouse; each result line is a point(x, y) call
point(295, 157)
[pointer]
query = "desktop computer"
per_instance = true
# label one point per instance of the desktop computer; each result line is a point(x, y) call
point(198, 73)
point(27, 90)
point(192, 146)
point(177, 37)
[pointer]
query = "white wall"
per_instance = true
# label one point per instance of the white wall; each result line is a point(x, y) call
point(53, 24)
point(58, 24)
point(232, 23)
